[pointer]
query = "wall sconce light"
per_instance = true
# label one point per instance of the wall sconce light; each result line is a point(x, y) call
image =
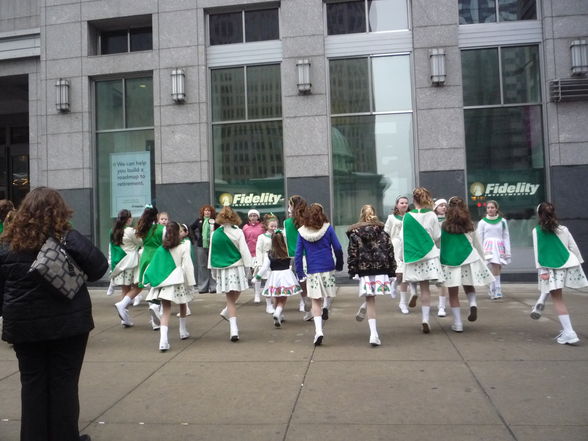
point(178, 78)
point(437, 60)
point(579, 50)
point(62, 95)
point(303, 67)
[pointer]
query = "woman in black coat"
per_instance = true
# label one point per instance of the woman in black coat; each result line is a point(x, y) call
point(48, 332)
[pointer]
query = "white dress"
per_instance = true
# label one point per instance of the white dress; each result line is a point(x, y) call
point(127, 271)
point(233, 277)
point(393, 227)
point(495, 241)
point(281, 281)
point(264, 244)
point(472, 272)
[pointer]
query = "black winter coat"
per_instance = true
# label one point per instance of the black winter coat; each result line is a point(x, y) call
point(31, 310)
point(370, 251)
point(196, 229)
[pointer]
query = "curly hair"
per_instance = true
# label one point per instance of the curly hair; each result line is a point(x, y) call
point(396, 210)
point(172, 236)
point(368, 214)
point(147, 219)
point(315, 217)
point(228, 216)
point(119, 226)
point(6, 206)
point(299, 205)
point(457, 220)
point(42, 213)
point(547, 218)
point(422, 196)
point(210, 208)
point(279, 249)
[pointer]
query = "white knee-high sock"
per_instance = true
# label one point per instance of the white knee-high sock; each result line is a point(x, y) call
point(268, 301)
point(442, 302)
point(318, 325)
point(542, 297)
point(233, 326)
point(413, 288)
point(183, 329)
point(327, 302)
point(163, 335)
point(472, 299)
point(497, 282)
point(278, 311)
point(373, 329)
point(403, 298)
point(456, 312)
point(257, 286)
point(425, 311)
point(566, 323)
point(126, 301)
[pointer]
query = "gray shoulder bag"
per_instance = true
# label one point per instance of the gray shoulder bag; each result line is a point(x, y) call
point(58, 268)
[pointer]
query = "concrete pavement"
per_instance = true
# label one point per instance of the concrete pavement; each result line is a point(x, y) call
point(502, 379)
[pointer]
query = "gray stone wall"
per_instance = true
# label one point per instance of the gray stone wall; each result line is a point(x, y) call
point(182, 201)
point(444, 184)
point(18, 15)
point(80, 201)
point(313, 189)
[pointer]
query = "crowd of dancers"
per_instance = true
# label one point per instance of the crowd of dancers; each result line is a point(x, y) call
point(432, 244)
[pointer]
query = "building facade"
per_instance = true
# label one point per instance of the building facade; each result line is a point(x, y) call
point(244, 102)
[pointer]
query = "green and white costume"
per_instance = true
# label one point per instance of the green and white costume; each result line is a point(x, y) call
point(124, 259)
point(262, 247)
point(228, 257)
point(393, 227)
point(419, 235)
point(171, 274)
point(151, 243)
point(462, 262)
point(558, 255)
point(291, 236)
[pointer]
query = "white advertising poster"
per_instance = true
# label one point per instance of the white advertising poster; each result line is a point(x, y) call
point(130, 186)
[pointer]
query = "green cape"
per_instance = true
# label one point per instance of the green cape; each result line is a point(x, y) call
point(161, 266)
point(455, 248)
point(551, 252)
point(224, 252)
point(419, 242)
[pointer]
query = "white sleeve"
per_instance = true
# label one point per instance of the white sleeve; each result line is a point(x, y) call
point(244, 250)
point(259, 250)
point(573, 247)
point(436, 232)
point(477, 245)
point(265, 266)
point(506, 237)
point(480, 231)
point(187, 265)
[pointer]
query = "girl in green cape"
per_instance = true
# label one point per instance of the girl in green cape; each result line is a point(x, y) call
point(558, 261)
point(229, 256)
point(440, 209)
point(461, 259)
point(420, 235)
point(171, 277)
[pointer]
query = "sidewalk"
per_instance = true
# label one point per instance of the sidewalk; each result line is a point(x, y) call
point(504, 378)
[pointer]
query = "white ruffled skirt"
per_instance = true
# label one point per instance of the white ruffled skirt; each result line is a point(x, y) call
point(470, 274)
point(423, 270)
point(281, 283)
point(573, 277)
point(375, 285)
point(230, 279)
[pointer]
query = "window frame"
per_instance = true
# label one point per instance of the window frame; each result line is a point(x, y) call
point(243, 11)
point(497, 15)
point(128, 33)
point(367, 19)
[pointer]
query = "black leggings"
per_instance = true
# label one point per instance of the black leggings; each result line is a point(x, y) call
point(49, 375)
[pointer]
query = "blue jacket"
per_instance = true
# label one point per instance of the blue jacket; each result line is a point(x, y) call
point(318, 246)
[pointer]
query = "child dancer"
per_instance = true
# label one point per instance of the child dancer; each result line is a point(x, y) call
point(493, 233)
point(558, 261)
point(228, 257)
point(187, 241)
point(202, 229)
point(371, 257)
point(440, 208)
point(296, 210)
point(171, 277)
point(252, 230)
point(263, 245)
point(461, 259)
point(163, 218)
point(318, 241)
point(124, 257)
point(393, 227)
point(281, 283)
point(420, 234)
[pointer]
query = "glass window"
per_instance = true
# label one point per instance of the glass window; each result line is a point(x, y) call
point(391, 80)
point(226, 28)
point(387, 15)
point(141, 39)
point(372, 154)
point(114, 42)
point(511, 10)
point(139, 96)
point(248, 155)
point(346, 17)
point(481, 77)
point(109, 105)
point(491, 11)
point(262, 25)
point(350, 85)
point(520, 74)
point(124, 155)
point(228, 94)
point(264, 95)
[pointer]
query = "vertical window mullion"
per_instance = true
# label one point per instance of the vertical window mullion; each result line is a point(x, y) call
point(124, 102)
point(370, 84)
point(497, 13)
point(245, 90)
point(243, 27)
point(128, 40)
point(500, 73)
point(367, 19)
